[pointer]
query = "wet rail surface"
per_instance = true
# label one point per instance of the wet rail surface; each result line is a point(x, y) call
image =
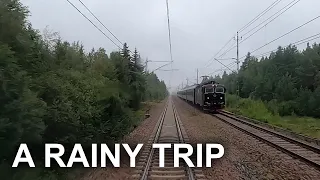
point(169, 129)
point(304, 151)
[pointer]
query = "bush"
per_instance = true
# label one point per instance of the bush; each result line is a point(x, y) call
point(53, 91)
point(267, 112)
point(248, 107)
point(286, 108)
point(273, 106)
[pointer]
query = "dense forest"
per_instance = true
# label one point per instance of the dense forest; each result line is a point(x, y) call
point(54, 91)
point(288, 81)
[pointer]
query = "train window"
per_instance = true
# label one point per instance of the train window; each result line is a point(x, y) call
point(219, 89)
point(209, 90)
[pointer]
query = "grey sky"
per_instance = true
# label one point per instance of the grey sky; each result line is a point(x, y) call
point(199, 28)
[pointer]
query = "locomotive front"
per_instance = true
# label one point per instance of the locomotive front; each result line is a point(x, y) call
point(214, 96)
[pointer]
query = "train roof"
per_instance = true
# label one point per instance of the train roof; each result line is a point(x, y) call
point(190, 87)
point(209, 82)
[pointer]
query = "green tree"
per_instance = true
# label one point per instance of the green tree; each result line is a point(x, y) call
point(53, 91)
point(288, 76)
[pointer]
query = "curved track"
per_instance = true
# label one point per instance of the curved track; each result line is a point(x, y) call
point(168, 130)
point(296, 148)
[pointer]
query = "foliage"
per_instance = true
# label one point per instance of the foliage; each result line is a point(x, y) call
point(156, 89)
point(256, 109)
point(53, 91)
point(288, 81)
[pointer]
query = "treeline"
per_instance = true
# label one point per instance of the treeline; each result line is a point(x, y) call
point(288, 81)
point(53, 91)
point(156, 90)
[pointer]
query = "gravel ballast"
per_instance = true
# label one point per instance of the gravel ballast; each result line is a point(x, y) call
point(245, 157)
point(140, 134)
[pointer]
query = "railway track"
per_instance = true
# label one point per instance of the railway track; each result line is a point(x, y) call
point(168, 130)
point(304, 151)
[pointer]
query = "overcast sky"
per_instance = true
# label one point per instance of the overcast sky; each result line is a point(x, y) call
point(199, 28)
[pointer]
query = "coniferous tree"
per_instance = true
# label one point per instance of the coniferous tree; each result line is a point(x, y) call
point(288, 76)
point(53, 91)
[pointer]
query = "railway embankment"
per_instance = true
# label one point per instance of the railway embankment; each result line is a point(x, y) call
point(246, 157)
point(269, 114)
point(140, 134)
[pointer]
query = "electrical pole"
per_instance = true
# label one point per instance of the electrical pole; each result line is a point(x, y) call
point(237, 52)
point(197, 76)
point(187, 81)
point(146, 66)
point(238, 88)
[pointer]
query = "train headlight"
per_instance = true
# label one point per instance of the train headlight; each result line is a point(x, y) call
point(207, 97)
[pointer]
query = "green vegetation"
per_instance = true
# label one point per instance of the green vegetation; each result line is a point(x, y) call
point(259, 110)
point(287, 78)
point(53, 91)
point(155, 88)
point(286, 84)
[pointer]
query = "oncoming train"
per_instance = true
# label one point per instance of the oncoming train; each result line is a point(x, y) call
point(209, 95)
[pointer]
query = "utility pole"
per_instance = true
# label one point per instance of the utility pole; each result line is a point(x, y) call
point(238, 88)
point(187, 81)
point(197, 76)
point(146, 66)
point(237, 52)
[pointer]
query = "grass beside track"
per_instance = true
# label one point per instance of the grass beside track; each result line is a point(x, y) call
point(258, 110)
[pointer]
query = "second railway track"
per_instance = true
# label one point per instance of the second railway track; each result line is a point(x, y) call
point(169, 129)
point(304, 151)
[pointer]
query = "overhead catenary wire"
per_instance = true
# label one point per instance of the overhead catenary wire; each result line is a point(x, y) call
point(224, 65)
point(229, 66)
point(210, 60)
point(169, 34)
point(260, 15)
point(228, 50)
point(226, 59)
point(290, 5)
point(287, 7)
point(241, 29)
point(286, 34)
point(100, 21)
point(220, 60)
point(169, 31)
point(170, 44)
point(162, 66)
point(93, 24)
point(302, 41)
point(307, 39)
